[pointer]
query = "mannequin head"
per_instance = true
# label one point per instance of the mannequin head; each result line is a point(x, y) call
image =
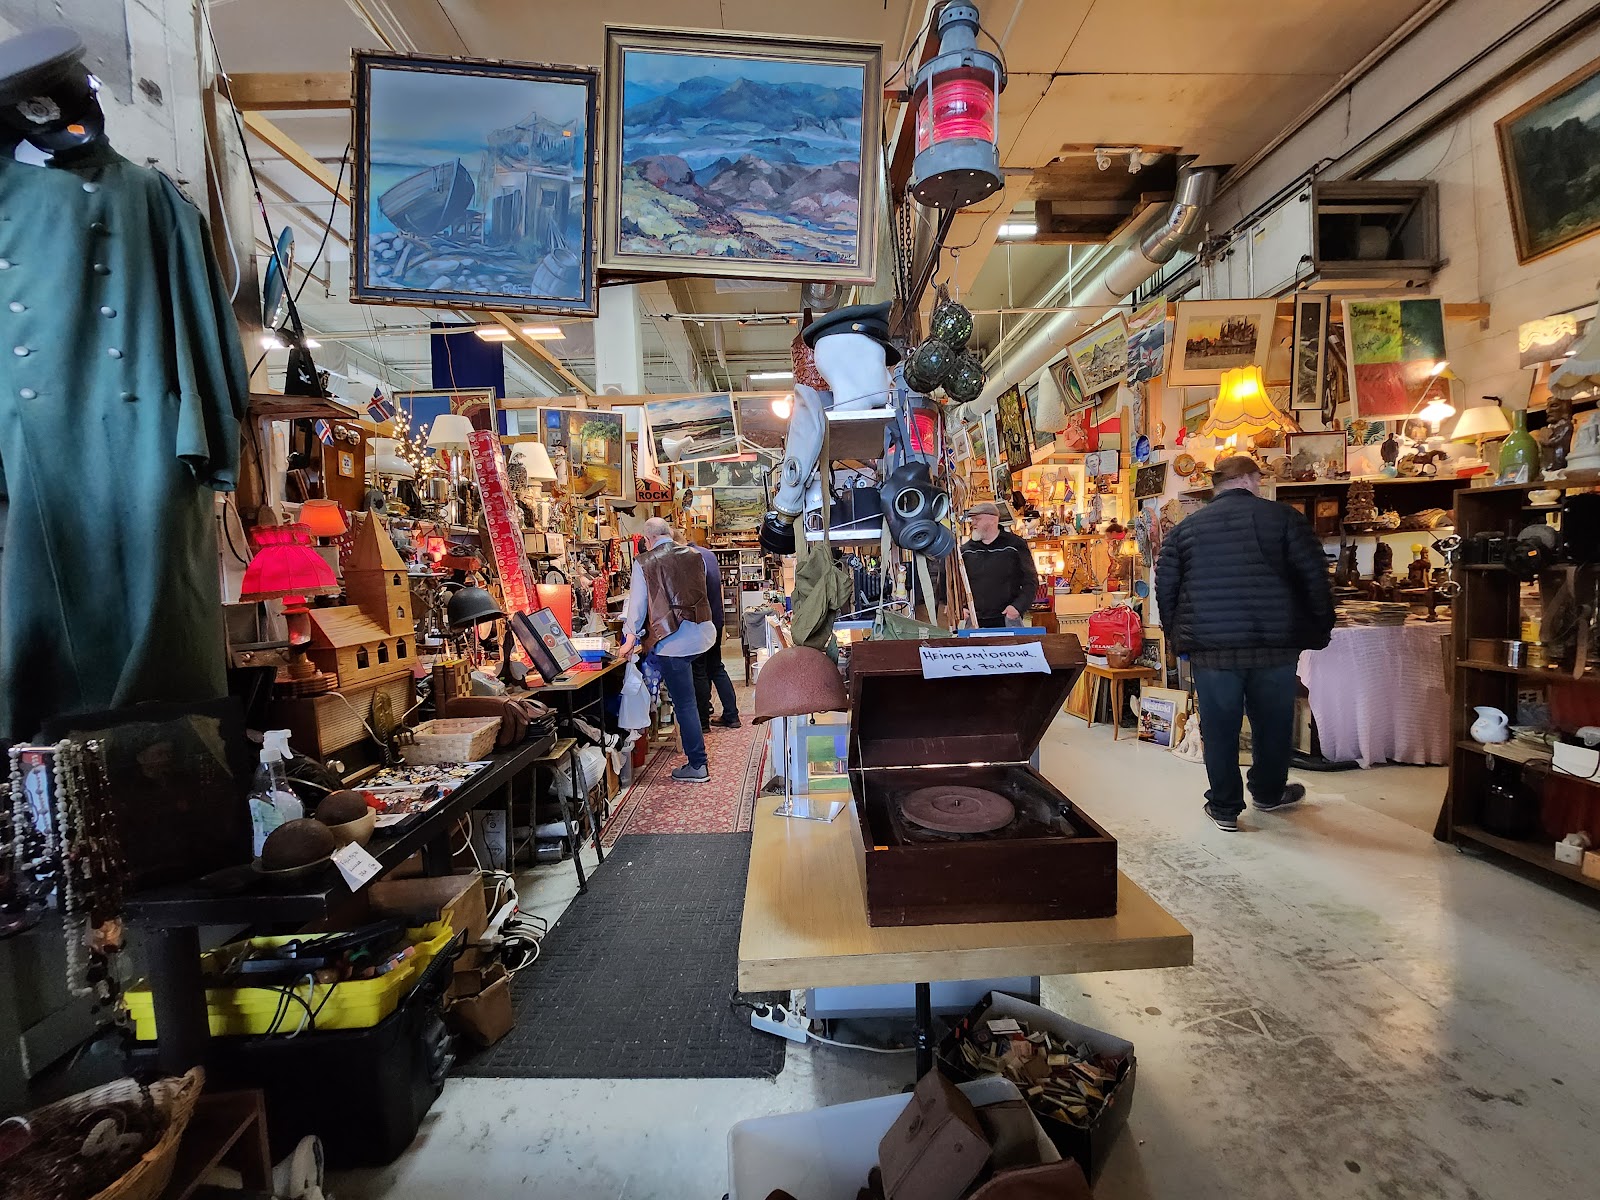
point(856, 368)
point(47, 96)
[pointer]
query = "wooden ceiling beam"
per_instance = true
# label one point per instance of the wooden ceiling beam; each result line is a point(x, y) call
point(303, 160)
point(513, 322)
point(302, 91)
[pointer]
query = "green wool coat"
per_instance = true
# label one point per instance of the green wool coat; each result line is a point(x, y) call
point(122, 386)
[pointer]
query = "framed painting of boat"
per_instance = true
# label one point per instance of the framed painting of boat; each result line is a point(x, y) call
point(474, 184)
point(742, 155)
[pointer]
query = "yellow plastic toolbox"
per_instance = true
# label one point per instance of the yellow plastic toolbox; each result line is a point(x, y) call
point(353, 1004)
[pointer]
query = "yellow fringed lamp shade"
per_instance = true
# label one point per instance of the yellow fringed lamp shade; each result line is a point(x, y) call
point(1242, 408)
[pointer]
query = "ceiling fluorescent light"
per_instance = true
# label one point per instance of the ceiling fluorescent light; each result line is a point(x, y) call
point(543, 333)
point(770, 376)
point(493, 333)
point(1018, 229)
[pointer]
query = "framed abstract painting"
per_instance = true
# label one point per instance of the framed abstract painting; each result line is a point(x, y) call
point(473, 184)
point(742, 155)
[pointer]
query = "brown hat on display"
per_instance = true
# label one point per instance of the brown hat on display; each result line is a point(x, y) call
point(984, 508)
point(1237, 466)
point(796, 681)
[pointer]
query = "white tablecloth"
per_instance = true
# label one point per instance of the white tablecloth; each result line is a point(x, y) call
point(1378, 694)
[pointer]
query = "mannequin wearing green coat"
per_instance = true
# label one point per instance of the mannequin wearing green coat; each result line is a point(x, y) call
point(122, 386)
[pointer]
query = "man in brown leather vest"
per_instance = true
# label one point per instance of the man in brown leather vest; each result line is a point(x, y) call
point(668, 610)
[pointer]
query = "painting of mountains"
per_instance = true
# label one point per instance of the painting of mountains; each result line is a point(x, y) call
point(745, 156)
point(1550, 154)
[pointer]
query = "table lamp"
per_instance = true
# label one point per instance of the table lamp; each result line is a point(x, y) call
point(325, 520)
point(1242, 409)
point(449, 431)
point(1479, 425)
point(385, 461)
point(287, 567)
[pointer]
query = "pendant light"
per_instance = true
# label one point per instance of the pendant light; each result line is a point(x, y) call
point(956, 98)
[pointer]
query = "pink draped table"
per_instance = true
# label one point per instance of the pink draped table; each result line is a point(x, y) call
point(1378, 694)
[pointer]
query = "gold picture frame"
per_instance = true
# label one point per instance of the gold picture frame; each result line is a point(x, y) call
point(654, 218)
point(1517, 134)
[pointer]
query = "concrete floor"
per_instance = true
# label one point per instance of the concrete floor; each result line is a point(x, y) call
point(1370, 1014)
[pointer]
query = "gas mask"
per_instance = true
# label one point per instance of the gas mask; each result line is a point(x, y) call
point(916, 508)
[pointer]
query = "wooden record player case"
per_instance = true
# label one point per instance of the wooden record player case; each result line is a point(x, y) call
point(1052, 863)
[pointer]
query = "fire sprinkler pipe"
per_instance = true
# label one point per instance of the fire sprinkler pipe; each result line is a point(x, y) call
point(1196, 187)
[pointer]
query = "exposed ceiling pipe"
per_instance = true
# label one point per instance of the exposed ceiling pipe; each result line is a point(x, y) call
point(1137, 263)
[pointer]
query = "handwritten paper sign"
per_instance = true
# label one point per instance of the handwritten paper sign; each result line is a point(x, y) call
point(356, 865)
point(956, 662)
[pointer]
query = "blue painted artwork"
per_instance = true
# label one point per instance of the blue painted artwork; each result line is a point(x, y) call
point(745, 158)
point(472, 184)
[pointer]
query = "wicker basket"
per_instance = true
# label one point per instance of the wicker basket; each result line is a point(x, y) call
point(453, 740)
point(175, 1097)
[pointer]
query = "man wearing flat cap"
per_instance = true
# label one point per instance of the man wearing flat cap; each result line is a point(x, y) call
point(999, 568)
point(1243, 588)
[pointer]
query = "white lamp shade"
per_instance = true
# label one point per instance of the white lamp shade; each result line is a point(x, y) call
point(383, 458)
point(449, 431)
point(1484, 421)
point(535, 460)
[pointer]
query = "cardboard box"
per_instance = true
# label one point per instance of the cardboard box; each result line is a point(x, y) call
point(478, 1003)
point(456, 898)
point(1087, 1146)
point(936, 1147)
point(1591, 864)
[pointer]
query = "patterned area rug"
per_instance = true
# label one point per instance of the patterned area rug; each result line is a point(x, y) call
point(655, 804)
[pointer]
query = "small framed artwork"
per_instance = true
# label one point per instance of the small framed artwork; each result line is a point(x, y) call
point(1213, 336)
point(1150, 481)
point(347, 463)
point(1102, 464)
point(1100, 357)
point(1547, 159)
point(1197, 403)
point(743, 155)
point(1319, 455)
point(1325, 516)
point(473, 184)
point(1310, 345)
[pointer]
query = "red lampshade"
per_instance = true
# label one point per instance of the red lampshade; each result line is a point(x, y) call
point(285, 564)
point(324, 518)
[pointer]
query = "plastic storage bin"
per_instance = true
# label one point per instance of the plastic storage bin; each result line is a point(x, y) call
point(354, 1004)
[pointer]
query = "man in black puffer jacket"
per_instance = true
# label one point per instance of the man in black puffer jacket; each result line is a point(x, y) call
point(1243, 588)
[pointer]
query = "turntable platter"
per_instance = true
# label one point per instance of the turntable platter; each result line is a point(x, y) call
point(953, 809)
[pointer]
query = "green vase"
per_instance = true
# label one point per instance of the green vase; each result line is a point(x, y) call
point(1519, 453)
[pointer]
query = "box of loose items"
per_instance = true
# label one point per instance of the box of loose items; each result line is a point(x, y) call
point(1078, 1081)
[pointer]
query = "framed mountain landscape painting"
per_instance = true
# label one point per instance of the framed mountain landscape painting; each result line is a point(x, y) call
point(730, 154)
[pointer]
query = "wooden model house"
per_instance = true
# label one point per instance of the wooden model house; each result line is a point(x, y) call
point(373, 637)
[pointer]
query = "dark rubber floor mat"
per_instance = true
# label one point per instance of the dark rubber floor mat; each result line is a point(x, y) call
point(634, 981)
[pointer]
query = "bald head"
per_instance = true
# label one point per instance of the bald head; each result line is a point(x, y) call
point(655, 529)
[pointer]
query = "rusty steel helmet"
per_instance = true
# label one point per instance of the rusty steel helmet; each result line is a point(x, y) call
point(797, 681)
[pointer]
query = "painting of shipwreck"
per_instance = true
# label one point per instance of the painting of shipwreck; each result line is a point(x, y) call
point(740, 155)
point(473, 185)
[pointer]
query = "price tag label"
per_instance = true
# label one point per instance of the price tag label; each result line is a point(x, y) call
point(955, 662)
point(356, 865)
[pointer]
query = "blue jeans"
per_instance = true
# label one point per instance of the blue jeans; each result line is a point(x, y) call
point(1266, 695)
point(677, 676)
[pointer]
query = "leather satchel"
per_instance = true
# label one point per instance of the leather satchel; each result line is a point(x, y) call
point(936, 1148)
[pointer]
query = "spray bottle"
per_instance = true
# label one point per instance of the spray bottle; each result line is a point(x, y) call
point(272, 801)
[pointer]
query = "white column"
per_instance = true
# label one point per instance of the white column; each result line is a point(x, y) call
point(619, 342)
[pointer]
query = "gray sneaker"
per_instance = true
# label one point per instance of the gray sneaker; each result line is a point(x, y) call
point(688, 774)
point(1292, 794)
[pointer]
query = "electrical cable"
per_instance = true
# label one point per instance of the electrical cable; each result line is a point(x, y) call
point(817, 1037)
point(327, 226)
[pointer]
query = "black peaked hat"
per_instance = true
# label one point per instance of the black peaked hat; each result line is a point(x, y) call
point(870, 319)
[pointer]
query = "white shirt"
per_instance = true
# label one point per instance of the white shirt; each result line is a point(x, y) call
point(686, 641)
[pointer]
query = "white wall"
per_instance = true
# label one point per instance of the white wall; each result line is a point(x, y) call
point(145, 53)
point(1476, 236)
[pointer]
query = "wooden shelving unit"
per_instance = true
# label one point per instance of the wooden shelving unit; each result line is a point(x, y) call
point(1490, 606)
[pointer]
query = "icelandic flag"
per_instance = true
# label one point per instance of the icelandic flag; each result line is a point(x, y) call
point(324, 432)
point(378, 408)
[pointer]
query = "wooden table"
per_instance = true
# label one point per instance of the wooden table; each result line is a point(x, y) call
point(1118, 677)
point(805, 925)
